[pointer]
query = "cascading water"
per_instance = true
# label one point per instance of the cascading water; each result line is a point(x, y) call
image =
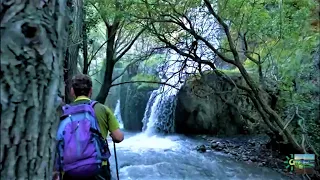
point(118, 114)
point(159, 113)
point(148, 110)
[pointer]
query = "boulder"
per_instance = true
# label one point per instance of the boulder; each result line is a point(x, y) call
point(201, 148)
point(202, 107)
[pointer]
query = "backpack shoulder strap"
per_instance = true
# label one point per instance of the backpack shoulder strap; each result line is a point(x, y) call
point(92, 103)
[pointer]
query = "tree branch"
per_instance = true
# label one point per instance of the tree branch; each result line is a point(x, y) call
point(133, 62)
point(129, 45)
point(125, 69)
point(151, 82)
point(100, 13)
point(98, 50)
point(226, 30)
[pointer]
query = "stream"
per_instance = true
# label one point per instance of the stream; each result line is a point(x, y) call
point(154, 157)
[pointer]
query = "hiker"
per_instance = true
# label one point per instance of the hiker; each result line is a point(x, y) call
point(82, 148)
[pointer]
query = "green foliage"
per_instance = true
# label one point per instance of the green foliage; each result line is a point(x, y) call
point(281, 34)
point(148, 78)
point(92, 17)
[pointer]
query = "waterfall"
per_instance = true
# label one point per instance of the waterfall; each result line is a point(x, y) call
point(159, 113)
point(118, 114)
point(147, 112)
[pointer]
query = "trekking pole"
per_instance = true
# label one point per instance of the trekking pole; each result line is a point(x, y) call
point(115, 157)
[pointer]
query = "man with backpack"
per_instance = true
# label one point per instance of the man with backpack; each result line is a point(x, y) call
point(82, 148)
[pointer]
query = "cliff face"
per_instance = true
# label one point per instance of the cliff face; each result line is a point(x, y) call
point(209, 105)
point(133, 102)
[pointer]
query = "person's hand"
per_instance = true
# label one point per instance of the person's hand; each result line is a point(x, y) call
point(56, 175)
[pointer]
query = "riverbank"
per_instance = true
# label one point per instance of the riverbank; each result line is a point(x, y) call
point(250, 149)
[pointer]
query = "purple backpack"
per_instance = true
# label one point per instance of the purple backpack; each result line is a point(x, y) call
point(81, 148)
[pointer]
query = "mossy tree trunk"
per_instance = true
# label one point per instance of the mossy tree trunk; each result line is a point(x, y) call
point(32, 46)
point(74, 43)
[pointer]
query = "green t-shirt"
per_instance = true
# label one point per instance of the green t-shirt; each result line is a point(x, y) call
point(106, 119)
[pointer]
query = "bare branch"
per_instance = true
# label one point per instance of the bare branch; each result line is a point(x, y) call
point(133, 62)
point(129, 45)
point(125, 69)
point(226, 30)
point(98, 50)
point(151, 82)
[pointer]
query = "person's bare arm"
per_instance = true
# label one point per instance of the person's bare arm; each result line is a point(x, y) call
point(117, 136)
point(115, 132)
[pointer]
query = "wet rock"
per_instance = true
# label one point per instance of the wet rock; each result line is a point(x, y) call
point(225, 151)
point(220, 145)
point(245, 158)
point(201, 148)
point(214, 141)
point(252, 143)
point(236, 145)
point(253, 158)
point(234, 153)
point(214, 145)
point(260, 164)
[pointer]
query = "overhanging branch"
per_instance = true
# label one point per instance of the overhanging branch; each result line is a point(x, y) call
point(129, 45)
point(151, 82)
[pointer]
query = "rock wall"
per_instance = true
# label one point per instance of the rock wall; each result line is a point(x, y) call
point(133, 102)
point(204, 107)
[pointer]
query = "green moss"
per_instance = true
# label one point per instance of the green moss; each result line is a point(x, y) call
point(231, 72)
point(146, 77)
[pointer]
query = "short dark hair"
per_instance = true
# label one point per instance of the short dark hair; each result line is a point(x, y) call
point(81, 85)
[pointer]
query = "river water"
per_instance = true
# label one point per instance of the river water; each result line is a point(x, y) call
point(154, 157)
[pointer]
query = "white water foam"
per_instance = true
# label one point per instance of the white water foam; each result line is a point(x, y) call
point(117, 113)
point(145, 142)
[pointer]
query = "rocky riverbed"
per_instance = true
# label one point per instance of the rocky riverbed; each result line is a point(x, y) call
point(251, 149)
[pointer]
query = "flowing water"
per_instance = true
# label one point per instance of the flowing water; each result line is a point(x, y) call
point(150, 156)
point(154, 157)
point(118, 114)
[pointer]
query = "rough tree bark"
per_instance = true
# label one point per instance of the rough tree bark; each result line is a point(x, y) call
point(86, 64)
point(32, 42)
point(74, 43)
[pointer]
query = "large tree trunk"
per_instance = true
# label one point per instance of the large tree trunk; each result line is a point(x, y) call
point(110, 55)
point(32, 42)
point(74, 43)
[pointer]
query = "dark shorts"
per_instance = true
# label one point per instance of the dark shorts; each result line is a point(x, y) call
point(103, 174)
